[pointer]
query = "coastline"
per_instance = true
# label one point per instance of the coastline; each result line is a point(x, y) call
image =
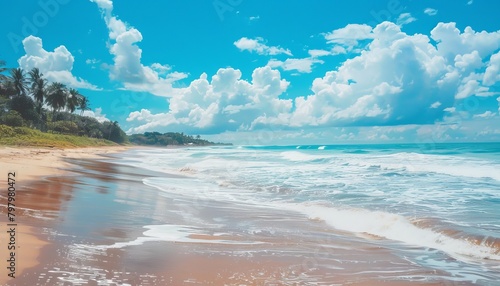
point(98, 217)
point(31, 164)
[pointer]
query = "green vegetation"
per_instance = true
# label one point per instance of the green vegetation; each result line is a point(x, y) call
point(24, 136)
point(24, 102)
point(36, 113)
point(170, 138)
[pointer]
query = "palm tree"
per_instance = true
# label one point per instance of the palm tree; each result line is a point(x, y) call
point(3, 79)
point(2, 69)
point(38, 90)
point(57, 95)
point(18, 78)
point(73, 100)
point(83, 104)
point(38, 83)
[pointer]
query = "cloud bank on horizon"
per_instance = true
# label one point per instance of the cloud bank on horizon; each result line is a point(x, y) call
point(358, 75)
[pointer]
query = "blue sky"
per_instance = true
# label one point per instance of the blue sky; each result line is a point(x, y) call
point(272, 72)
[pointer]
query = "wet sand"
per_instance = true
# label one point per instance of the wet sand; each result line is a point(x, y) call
point(88, 221)
point(31, 165)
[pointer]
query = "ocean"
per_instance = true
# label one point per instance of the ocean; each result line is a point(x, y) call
point(434, 206)
point(272, 215)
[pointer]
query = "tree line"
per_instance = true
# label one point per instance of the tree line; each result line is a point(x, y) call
point(25, 98)
point(169, 138)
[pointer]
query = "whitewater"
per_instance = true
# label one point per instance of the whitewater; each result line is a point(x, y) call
point(434, 206)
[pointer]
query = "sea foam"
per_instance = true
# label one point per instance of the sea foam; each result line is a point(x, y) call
point(398, 228)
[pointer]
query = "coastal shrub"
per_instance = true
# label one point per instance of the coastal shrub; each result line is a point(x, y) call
point(6, 131)
point(12, 118)
point(95, 133)
point(64, 127)
point(24, 136)
point(19, 131)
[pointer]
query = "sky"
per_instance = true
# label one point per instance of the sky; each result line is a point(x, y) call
point(272, 72)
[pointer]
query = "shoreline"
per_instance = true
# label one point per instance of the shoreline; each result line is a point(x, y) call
point(69, 240)
point(30, 165)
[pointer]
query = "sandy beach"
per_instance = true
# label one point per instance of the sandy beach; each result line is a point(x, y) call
point(31, 165)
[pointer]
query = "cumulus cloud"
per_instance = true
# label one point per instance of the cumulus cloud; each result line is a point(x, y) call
point(258, 46)
point(430, 11)
point(226, 102)
point(400, 79)
point(127, 67)
point(492, 73)
point(97, 114)
point(452, 42)
point(397, 79)
point(56, 65)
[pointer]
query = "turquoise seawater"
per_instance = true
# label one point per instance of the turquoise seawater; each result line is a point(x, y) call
point(435, 205)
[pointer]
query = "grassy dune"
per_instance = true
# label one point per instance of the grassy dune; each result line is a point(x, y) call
point(22, 136)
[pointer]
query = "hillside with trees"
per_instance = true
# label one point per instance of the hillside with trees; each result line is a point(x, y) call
point(28, 100)
point(169, 139)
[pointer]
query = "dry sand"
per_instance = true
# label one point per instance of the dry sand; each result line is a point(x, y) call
point(28, 165)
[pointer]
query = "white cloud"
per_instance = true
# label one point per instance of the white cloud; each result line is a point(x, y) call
point(97, 114)
point(301, 65)
point(254, 18)
point(318, 53)
point(127, 67)
point(104, 4)
point(450, 109)
point(492, 73)
point(471, 86)
point(225, 103)
point(161, 69)
point(350, 35)
point(470, 2)
point(468, 62)
point(487, 114)
point(498, 99)
point(435, 104)
point(337, 50)
point(398, 79)
point(92, 61)
point(56, 66)
point(258, 46)
point(452, 42)
point(430, 11)
point(404, 19)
